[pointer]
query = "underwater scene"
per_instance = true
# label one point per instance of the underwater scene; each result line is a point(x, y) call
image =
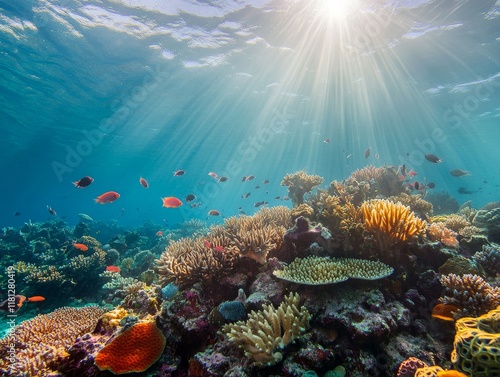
point(283, 188)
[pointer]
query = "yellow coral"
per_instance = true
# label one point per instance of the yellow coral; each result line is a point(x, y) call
point(428, 371)
point(299, 184)
point(270, 329)
point(390, 222)
point(111, 320)
point(304, 210)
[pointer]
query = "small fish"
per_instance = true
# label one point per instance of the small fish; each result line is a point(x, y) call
point(261, 203)
point(85, 217)
point(444, 311)
point(249, 178)
point(15, 303)
point(412, 173)
point(278, 198)
point(265, 181)
point(178, 173)
point(159, 234)
point(326, 141)
point(367, 152)
point(432, 158)
point(80, 246)
point(113, 268)
point(246, 195)
point(464, 191)
point(17, 213)
point(213, 175)
point(403, 170)
point(171, 202)
point(107, 197)
point(36, 299)
point(459, 173)
point(190, 198)
point(143, 182)
point(222, 179)
point(376, 156)
point(431, 185)
point(257, 187)
point(51, 210)
point(83, 182)
point(286, 198)
point(213, 212)
point(195, 205)
point(416, 185)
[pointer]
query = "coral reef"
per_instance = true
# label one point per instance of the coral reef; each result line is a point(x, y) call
point(408, 367)
point(417, 204)
point(439, 232)
point(476, 349)
point(324, 270)
point(267, 331)
point(38, 342)
point(489, 218)
point(299, 184)
point(489, 259)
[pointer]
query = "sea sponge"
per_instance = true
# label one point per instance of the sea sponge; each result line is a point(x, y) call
point(134, 350)
point(299, 184)
point(314, 270)
point(270, 329)
point(476, 349)
point(391, 222)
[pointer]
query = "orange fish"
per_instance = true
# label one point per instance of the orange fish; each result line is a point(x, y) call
point(444, 311)
point(36, 298)
point(107, 197)
point(143, 182)
point(171, 202)
point(81, 246)
point(159, 233)
point(113, 268)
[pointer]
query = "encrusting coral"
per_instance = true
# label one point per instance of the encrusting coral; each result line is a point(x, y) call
point(299, 184)
point(269, 330)
point(476, 349)
point(134, 350)
point(324, 270)
point(470, 294)
point(41, 340)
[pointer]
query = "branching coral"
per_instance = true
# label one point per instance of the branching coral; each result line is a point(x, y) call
point(299, 184)
point(269, 330)
point(476, 349)
point(489, 259)
point(324, 270)
point(390, 222)
point(304, 210)
point(39, 341)
point(439, 232)
point(417, 204)
point(470, 293)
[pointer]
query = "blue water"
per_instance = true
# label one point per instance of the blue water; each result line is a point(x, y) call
point(122, 89)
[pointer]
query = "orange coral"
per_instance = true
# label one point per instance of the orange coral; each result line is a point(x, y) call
point(450, 373)
point(134, 350)
point(439, 232)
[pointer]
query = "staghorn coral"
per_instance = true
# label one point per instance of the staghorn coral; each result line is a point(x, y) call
point(417, 204)
point(38, 342)
point(304, 210)
point(390, 222)
point(270, 329)
point(314, 270)
point(134, 350)
point(299, 184)
point(470, 293)
point(439, 232)
point(476, 348)
point(489, 259)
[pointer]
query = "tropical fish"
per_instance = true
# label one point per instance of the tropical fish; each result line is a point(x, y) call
point(171, 202)
point(286, 198)
point(432, 158)
point(459, 173)
point(248, 178)
point(190, 198)
point(178, 173)
point(213, 212)
point(431, 185)
point(265, 181)
point(444, 311)
point(159, 233)
point(222, 179)
point(412, 173)
point(246, 195)
point(257, 187)
point(278, 198)
point(15, 305)
point(51, 210)
point(113, 268)
point(83, 182)
point(213, 175)
point(17, 213)
point(143, 182)
point(464, 191)
point(36, 299)
point(107, 197)
point(80, 246)
point(367, 152)
point(326, 141)
point(377, 156)
point(261, 203)
point(86, 217)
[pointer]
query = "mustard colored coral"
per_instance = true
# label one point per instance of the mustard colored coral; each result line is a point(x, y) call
point(476, 349)
point(268, 331)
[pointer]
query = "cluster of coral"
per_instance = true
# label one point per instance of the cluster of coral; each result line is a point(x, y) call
point(356, 279)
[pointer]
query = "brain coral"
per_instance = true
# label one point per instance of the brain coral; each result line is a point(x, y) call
point(324, 270)
point(476, 349)
point(39, 341)
point(134, 350)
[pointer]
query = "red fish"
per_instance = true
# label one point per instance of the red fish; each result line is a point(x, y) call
point(81, 246)
point(143, 182)
point(107, 197)
point(412, 173)
point(36, 298)
point(113, 268)
point(171, 202)
point(159, 233)
point(83, 182)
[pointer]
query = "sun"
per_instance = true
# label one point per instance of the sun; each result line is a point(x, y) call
point(336, 9)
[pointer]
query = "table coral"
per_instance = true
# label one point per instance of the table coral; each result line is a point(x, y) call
point(314, 270)
point(38, 342)
point(270, 329)
point(134, 350)
point(299, 184)
point(476, 349)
